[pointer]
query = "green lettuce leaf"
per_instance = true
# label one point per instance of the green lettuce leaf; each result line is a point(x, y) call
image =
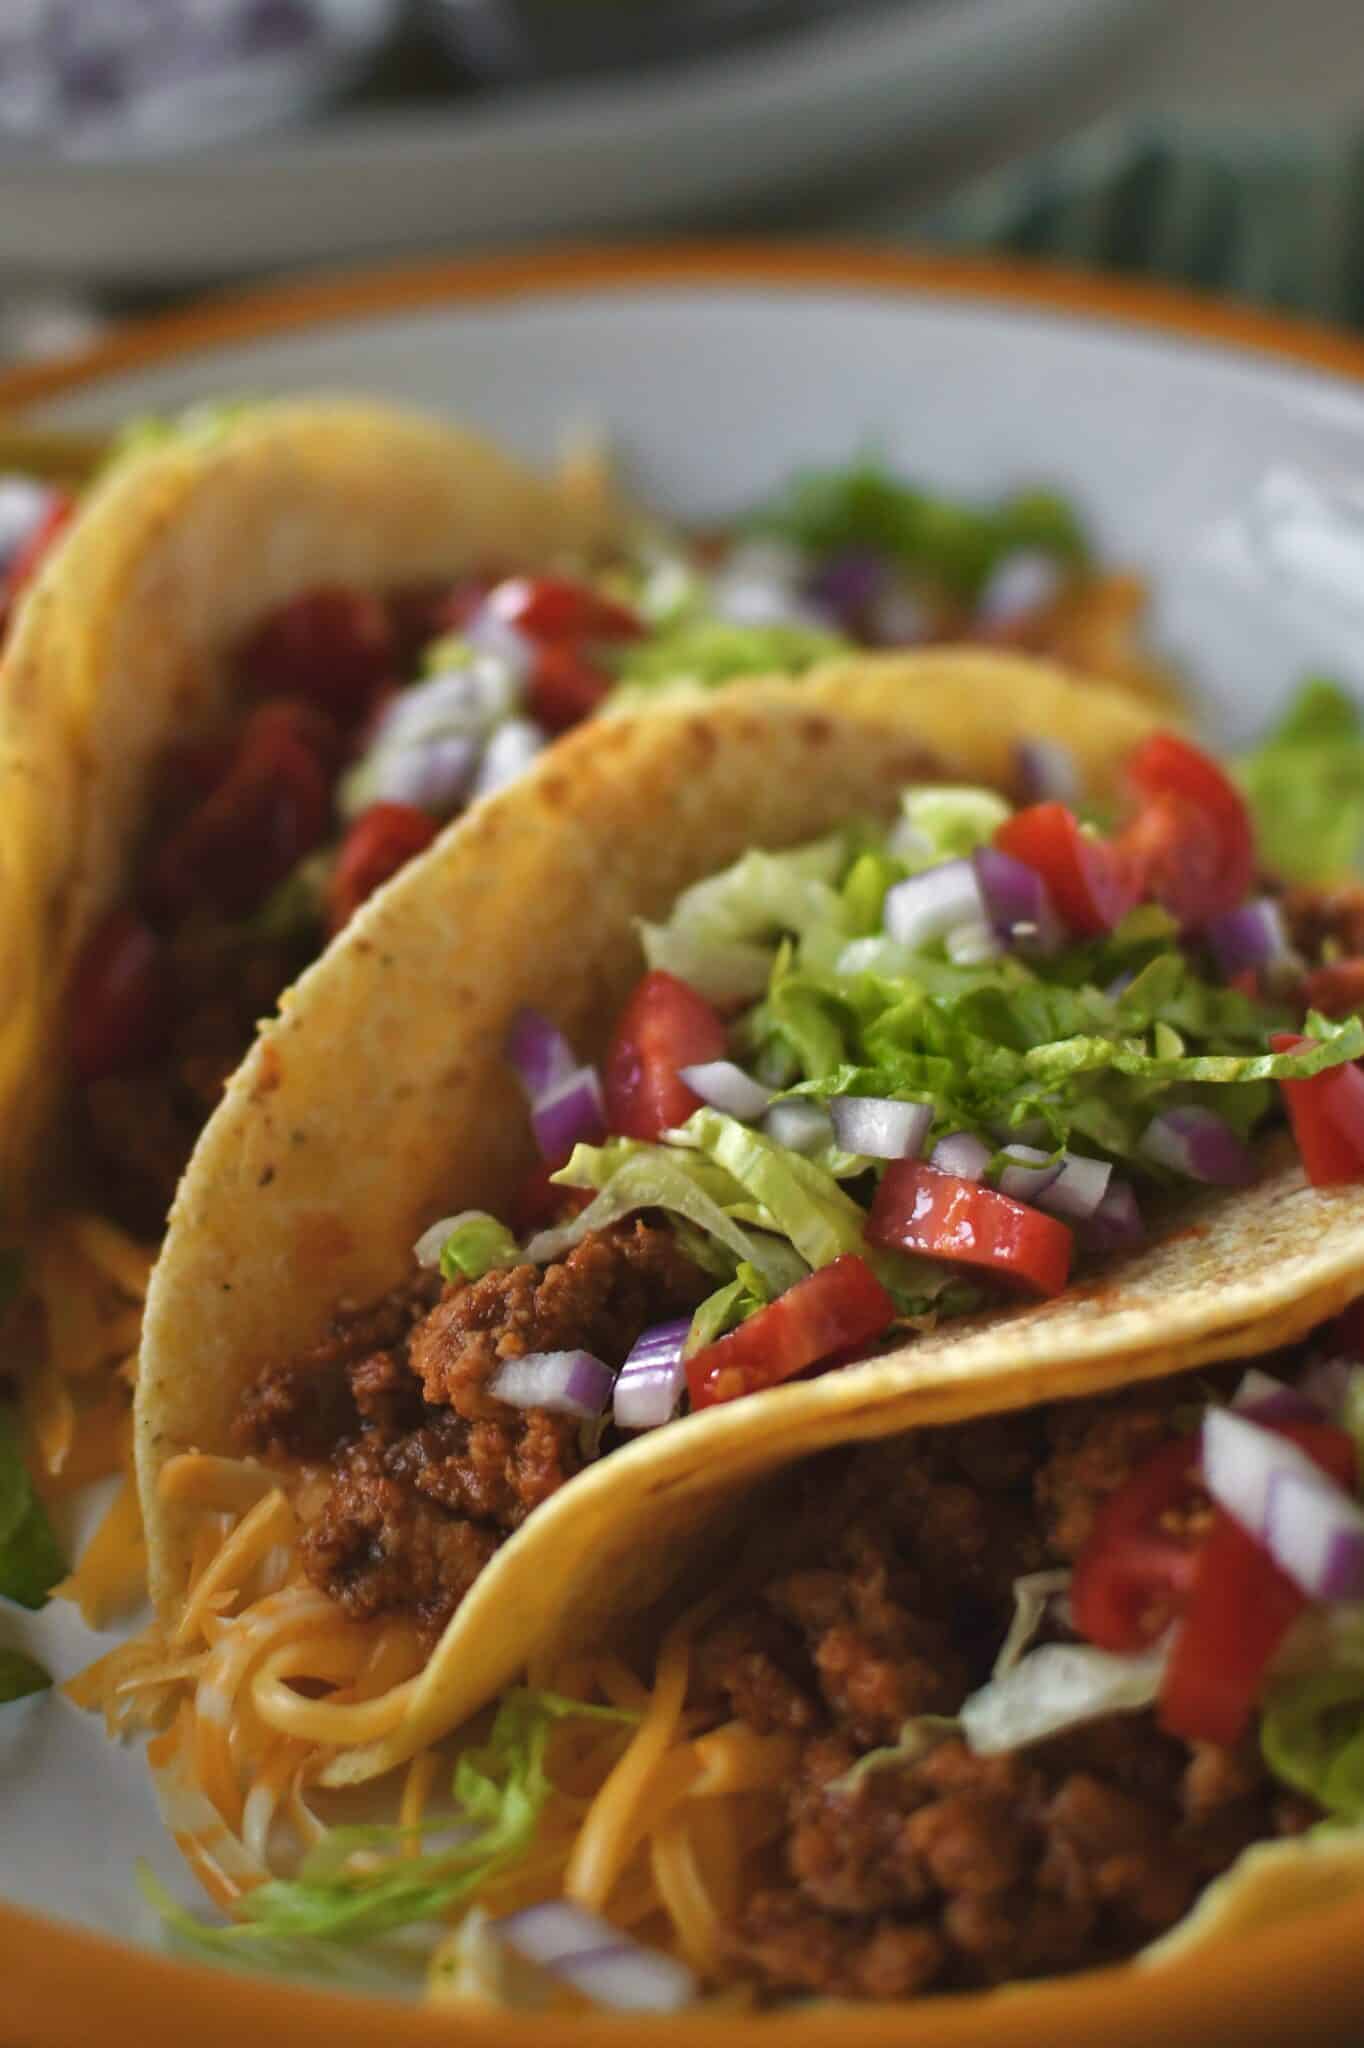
point(724, 932)
point(476, 1245)
point(500, 1792)
point(729, 1306)
point(708, 652)
point(31, 1560)
point(1312, 1736)
point(1305, 782)
point(20, 1676)
point(946, 822)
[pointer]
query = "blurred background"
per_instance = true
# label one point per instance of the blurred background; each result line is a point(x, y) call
point(151, 149)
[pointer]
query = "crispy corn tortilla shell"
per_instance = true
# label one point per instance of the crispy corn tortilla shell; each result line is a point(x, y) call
point(381, 1100)
point(122, 646)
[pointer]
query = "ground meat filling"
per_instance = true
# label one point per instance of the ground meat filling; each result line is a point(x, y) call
point(421, 1472)
point(955, 1870)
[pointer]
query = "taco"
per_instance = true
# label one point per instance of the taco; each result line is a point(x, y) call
point(255, 669)
point(377, 1485)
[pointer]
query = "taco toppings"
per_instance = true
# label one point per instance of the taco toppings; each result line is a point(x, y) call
point(866, 1086)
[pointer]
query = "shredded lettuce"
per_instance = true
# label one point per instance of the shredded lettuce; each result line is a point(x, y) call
point(945, 823)
point(31, 1560)
point(1312, 1736)
point(707, 652)
point(475, 1246)
point(1058, 1687)
point(947, 543)
point(1305, 782)
point(729, 1306)
point(361, 1884)
point(724, 932)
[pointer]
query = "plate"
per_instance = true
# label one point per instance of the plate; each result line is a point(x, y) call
point(607, 153)
point(1221, 452)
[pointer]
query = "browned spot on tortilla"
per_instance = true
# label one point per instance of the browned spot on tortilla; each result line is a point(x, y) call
point(269, 1070)
point(557, 791)
point(702, 741)
point(265, 1176)
point(321, 1239)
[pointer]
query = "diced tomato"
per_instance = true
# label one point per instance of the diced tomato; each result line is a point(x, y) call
point(1084, 880)
point(565, 687)
point(271, 808)
point(552, 608)
point(332, 646)
point(664, 1026)
point(1327, 1115)
point(841, 1306)
point(1135, 1570)
point(1337, 990)
point(538, 1203)
point(941, 1216)
point(1191, 844)
point(383, 839)
point(119, 1005)
point(28, 558)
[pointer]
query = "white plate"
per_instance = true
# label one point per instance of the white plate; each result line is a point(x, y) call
point(606, 153)
point(1235, 478)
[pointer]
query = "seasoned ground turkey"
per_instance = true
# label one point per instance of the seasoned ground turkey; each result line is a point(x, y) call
point(424, 1473)
point(1316, 917)
point(957, 1870)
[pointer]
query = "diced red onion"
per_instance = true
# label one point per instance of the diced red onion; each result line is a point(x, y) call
point(466, 701)
point(1116, 1225)
point(566, 1382)
point(508, 754)
point(538, 1050)
point(1251, 936)
point(961, 1154)
point(572, 1112)
point(726, 1086)
point(1311, 1527)
point(1079, 1188)
point(494, 635)
point(1029, 1173)
point(1047, 772)
point(651, 1382)
point(1197, 1143)
point(971, 944)
point(1265, 1399)
point(1019, 585)
point(759, 584)
point(879, 1127)
point(580, 1949)
point(1017, 903)
point(928, 906)
point(800, 1126)
point(848, 584)
point(435, 775)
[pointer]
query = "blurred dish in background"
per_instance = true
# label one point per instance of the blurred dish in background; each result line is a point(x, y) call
point(81, 77)
point(544, 38)
point(411, 167)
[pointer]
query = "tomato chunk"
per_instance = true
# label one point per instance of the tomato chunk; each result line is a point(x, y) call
point(1327, 1115)
point(1336, 990)
point(840, 1306)
point(332, 646)
point(383, 839)
point(664, 1026)
point(554, 608)
point(1085, 881)
point(919, 1209)
point(1136, 1568)
point(565, 687)
point(119, 1001)
point(1191, 845)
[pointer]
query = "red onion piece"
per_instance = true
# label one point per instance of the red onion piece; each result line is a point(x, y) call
point(508, 754)
point(1029, 1173)
point(1019, 585)
point(538, 1050)
point(1311, 1527)
point(726, 1086)
point(435, 775)
point(1265, 1399)
point(800, 1125)
point(962, 1155)
point(1116, 1224)
point(566, 1382)
point(650, 1384)
point(1079, 1188)
point(848, 584)
point(1196, 1143)
point(928, 906)
point(1251, 936)
point(581, 1949)
point(493, 634)
point(1021, 913)
point(1047, 772)
point(572, 1112)
point(879, 1127)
